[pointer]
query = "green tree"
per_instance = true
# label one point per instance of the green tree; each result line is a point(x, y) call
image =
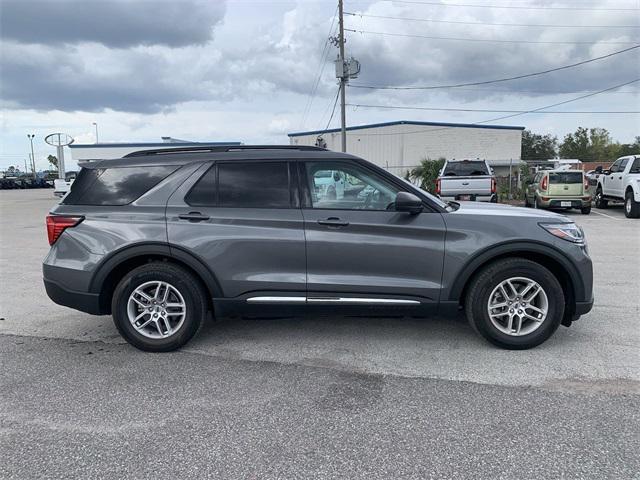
point(625, 149)
point(538, 147)
point(53, 160)
point(589, 145)
point(426, 173)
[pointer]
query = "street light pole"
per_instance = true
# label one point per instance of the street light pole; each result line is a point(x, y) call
point(33, 157)
point(96, 126)
point(343, 81)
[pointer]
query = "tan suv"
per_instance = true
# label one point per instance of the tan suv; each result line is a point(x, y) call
point(559, 189)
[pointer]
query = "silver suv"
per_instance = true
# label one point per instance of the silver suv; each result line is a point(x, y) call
point(162, 237)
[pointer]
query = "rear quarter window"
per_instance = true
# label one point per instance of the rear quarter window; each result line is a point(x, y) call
point(115, 186)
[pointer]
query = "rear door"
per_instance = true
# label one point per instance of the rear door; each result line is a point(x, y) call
point(242, 219)
point(359, 247)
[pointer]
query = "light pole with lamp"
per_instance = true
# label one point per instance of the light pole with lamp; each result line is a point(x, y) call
point(33, 157)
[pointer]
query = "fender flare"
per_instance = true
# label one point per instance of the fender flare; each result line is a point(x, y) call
point(120, 256)
point(507, 248)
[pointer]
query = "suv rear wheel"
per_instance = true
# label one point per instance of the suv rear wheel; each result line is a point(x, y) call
point(515, 303)
point(158, 307)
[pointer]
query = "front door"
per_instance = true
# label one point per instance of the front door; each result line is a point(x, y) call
point(359, 247)
point(242, 219)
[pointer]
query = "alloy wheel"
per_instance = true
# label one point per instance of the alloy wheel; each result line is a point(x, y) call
point(518, 306)
point(156, 309)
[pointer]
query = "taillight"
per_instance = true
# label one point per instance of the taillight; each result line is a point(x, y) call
point(56, 224)
point(494, 186)
point(544, 183)
point(438, 186)
point(586, 182)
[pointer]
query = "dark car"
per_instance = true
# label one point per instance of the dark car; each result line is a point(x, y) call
point(160, 238)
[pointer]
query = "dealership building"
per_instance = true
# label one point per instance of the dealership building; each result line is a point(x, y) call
point(399, 146)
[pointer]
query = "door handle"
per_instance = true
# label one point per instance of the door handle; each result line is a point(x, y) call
point(193, 216)
point(333, 222)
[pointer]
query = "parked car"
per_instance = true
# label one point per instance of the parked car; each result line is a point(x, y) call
point(559, 188)
point(62, 186)
point(160, 237)
point(621, 182)
point(471, 180)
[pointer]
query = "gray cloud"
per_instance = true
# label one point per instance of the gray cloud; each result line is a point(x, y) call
point(115, 23)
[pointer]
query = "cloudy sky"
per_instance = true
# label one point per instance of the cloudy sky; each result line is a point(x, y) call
point(210, 70)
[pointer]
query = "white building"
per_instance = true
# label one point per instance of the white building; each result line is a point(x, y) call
point(105, 151)
point(399, 146)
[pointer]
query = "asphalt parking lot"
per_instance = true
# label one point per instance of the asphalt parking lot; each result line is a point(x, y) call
point(316, 397)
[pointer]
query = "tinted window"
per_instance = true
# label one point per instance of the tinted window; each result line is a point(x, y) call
point(616, 164)
point(465, 168)
point(262, 185)
point(347, 186)
point(203, 192)
point(115, 186)
point(565, 177)
point(635, 168)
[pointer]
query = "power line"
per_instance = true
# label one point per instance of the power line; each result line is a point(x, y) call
point(516, 7)
point(335, 102)
point(485, 40)
point(447, 109)
point(592, 94)
point(486, 82)
point(430, 20)
point(321, 66)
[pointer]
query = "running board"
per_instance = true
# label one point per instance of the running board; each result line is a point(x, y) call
point(332, 300)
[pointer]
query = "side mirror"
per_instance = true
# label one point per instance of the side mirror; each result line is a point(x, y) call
point(408, 202)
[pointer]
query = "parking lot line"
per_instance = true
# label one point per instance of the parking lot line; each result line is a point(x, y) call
point(604, 215)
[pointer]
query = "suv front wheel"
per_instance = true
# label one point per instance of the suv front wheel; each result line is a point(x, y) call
point(158, 307)
point(515, 303)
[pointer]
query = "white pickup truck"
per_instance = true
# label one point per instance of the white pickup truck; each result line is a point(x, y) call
point(620, 183)
point(467, 180)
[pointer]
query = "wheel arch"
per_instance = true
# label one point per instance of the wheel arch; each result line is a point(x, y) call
point(116, 265)
point(549, 257)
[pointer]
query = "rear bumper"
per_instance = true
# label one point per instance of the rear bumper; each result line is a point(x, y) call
point(472, 197)
point(555, 202)
point(83, 301)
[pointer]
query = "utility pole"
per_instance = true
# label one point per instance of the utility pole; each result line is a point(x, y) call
point(33, 157)
point(95, 124)
point(343, 79)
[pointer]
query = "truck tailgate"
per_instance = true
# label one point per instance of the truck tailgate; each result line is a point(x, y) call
point(474, 185)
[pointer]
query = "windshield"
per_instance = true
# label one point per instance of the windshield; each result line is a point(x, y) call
point(556, 178)
point(465, 168)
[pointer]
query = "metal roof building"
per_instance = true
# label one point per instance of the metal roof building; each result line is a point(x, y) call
point(399, 146)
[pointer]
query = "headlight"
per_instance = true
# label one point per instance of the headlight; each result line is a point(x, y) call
point(566, 231)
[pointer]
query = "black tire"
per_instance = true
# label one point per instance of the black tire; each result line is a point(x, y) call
point(631, 207)
point(483, 284)
point(190, 288)
point(599, 200)
point(526, 201)
point(585, 210)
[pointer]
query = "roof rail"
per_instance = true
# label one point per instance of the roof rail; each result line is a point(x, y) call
point(220, 148)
